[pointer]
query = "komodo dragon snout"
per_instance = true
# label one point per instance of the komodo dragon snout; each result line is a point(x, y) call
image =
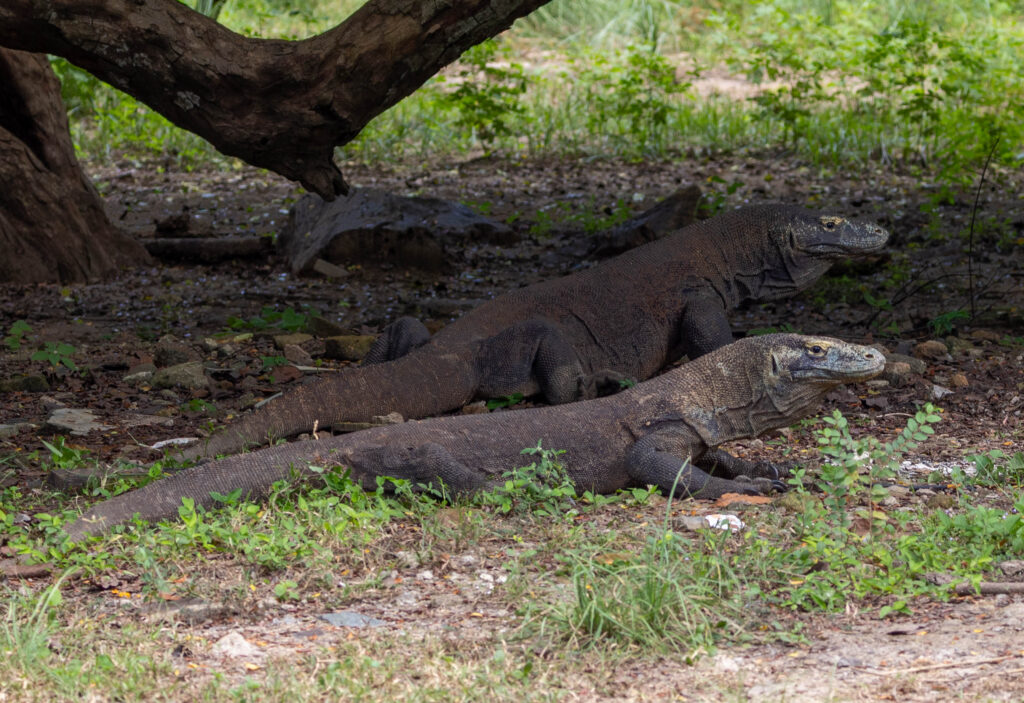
point(832, 237)
point(822, 358)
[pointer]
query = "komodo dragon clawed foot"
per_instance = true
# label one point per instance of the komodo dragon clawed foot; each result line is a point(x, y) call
point(604, 382)
point(396, 340)
point(763, 485)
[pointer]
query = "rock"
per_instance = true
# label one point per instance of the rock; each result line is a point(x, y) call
point(985, 335)
point(77, 421)
point(350, 347)
point(898, 492)
point(939, 392)
point(477, 408)
point(931, 349)
point(1012, 567)
point(956, 345)
point(10, 430)
point(326, 268)
point(235, 646)
point(170, 351)
point(24, 384)
point(190, 610)
point(283, 340)
point(349, 618)
point(939, 501)
point(297, 355)
point(372, 225)
point(796, 502)
point(139, 378)
point(958, 380)
point(188, 375)
point(897, 373)
point(917, 366)
point(322, 327)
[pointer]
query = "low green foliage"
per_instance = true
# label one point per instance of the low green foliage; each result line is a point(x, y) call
point(506, 401)
point(997, 469)
point(270, 318)
point(16, 335)
point(57, 354)
point(543, 488)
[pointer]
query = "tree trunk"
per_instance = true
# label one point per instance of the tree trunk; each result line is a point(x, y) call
point(277, 104)
point(52, 223)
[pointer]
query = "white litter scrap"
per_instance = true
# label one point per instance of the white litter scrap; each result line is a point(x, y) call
point(171, 442)
point(724, 522)
point(920, 467)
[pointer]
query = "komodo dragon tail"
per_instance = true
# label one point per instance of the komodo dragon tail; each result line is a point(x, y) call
point(424, 382)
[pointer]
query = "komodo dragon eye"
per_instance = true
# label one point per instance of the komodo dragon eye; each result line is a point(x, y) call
point(816, 350)
point(830, 223)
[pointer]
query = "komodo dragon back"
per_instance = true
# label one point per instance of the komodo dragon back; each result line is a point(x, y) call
point(662, 432)
point(577, 337)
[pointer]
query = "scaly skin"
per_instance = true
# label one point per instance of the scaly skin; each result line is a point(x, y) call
point(576, 337)
point(661, 432)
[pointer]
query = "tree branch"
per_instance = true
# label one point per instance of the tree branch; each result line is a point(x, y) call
point(280, 105)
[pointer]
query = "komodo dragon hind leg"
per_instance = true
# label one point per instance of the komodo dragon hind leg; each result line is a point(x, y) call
point(428, 464)
point(531, 357)
point(396, 340)
point(703, 327)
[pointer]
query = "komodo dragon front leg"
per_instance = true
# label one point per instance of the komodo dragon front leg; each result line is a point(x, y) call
point(675, 456)
point(703, 326)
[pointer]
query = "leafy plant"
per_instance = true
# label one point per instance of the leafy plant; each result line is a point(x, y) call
point(996, 468)
point(16, 334)
point(946, 322)
point(288, 320)
point(486, 93)
point(543, 488)
point(506, 401)
point(64, 456)
point(56, 354)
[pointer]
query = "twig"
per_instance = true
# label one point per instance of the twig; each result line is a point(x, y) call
point(946, 665)
point(974, 211)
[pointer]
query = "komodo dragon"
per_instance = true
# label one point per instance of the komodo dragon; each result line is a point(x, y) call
point(575, 337)
point(642, 436)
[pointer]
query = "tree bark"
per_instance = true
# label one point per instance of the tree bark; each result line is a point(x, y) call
point(281, 105)
point(52, 223)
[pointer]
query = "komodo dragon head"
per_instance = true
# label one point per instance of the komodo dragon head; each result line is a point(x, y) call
point(803, 369)
point(809, 243)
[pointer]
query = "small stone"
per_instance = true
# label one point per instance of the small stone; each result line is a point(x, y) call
point(138, 378)
point(350, 347)
point(797, 503)
point(1001, 600)
point(326, 268)
point(188, 375)
point(986, 335)
point(898, 492)
point(407, 559)
point(931, 349)
point(939, 392)
point(10, 430)
point(392, 418)
point(425, 575)
point(322, 327)
point(890, 501)
point(897, 373)
point(476, 408)
point(1012, 567)
point(349, 618)
point(917, 366)
point(234, 645)
point(958, 345)
point(170, 351)
point(77, 421)
point(297, 355)
point(283, 340)
point(25, 384)
point(940, 501)
point(958, 380)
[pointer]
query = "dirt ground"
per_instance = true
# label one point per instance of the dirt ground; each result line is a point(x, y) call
point(970, 648)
